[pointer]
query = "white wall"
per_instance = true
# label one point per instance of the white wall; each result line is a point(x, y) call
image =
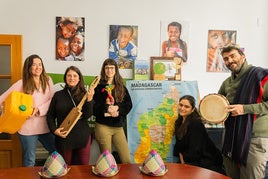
point(35, 20)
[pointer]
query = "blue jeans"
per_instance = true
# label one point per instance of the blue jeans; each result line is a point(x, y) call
point(28, 144)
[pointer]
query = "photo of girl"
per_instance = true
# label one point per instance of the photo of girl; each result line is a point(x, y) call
point(217, 39)
point(173, 37)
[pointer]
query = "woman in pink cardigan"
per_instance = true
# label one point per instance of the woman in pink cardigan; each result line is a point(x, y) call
point(37, 83)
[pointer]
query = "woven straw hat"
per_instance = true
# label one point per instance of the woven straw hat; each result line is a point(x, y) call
point(54, 166)
point(153, 165)
point(106, 165)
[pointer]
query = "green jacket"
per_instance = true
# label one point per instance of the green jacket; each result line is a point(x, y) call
point(228, 89)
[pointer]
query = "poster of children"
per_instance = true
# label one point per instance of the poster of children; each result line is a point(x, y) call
point(174, 37)
point(70, 38)
point(217, 39)
point(123, 46)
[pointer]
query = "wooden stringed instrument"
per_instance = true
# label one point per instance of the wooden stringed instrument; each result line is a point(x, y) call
point(75, 114)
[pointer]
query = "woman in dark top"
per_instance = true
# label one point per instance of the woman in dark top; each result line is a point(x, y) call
point(192, 140)
point(74, 147)
point(112, 104)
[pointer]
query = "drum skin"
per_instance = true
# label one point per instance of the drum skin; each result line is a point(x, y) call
point(212, 108)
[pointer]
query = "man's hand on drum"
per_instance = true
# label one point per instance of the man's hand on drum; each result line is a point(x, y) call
point(236, 109)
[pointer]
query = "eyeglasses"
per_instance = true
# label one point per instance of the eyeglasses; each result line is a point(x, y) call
point(109, 67)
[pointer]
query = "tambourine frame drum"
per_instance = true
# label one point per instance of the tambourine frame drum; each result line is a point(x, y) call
point(212, 108)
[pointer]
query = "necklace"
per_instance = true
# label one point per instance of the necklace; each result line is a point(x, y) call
point(71, 97)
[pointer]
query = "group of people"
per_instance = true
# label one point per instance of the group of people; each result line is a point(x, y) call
point(244, 153)
point(51, 108)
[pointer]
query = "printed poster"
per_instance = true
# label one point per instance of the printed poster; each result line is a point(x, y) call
point(151, 121)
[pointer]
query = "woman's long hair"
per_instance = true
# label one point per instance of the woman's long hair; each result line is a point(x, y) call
point(119, 90)
point(79, 90)
point(27, 76)
point(181, 128)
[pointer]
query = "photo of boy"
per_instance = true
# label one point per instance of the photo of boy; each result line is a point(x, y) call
point(123, 45)
point(63, 50)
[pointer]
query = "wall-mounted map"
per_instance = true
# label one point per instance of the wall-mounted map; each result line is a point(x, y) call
point(151, 121)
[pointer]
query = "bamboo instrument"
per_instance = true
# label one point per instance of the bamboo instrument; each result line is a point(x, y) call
point(75, 114)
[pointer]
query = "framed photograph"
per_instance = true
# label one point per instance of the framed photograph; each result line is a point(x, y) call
point(165, 68)
point(141, 69)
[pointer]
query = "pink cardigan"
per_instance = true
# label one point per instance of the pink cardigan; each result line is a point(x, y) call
point(36, 124)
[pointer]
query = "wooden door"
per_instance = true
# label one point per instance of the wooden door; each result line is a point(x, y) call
point(10, 72)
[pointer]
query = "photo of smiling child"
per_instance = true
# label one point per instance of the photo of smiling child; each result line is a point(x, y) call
point(123, 45)
point(174, 36)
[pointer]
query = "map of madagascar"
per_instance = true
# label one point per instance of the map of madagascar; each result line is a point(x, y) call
point(156, 127)
point(150, 124)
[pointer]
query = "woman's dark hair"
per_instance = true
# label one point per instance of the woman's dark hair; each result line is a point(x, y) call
point(27, 76)
point(119, 90)
point(79, 90)
point(181, 128)
point(190, 99)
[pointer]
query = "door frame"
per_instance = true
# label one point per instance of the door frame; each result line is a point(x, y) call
point(10, 149)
